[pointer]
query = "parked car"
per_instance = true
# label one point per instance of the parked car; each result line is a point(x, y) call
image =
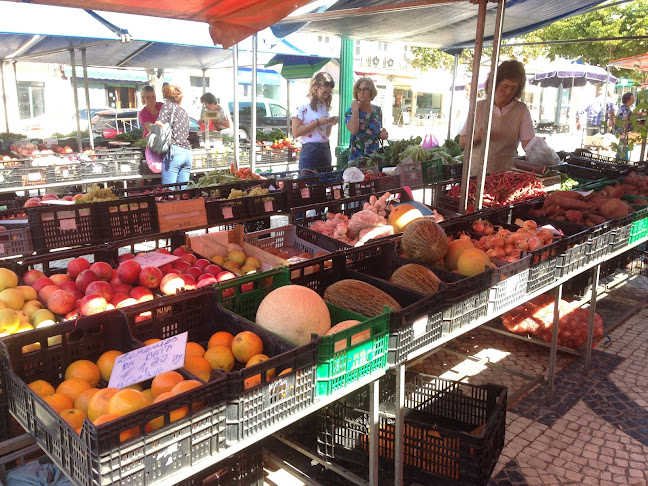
point(270, 115)
point(65, 123)
point(109, 123)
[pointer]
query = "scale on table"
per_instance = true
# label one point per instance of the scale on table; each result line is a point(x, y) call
point(548, 174)
point(207, 116)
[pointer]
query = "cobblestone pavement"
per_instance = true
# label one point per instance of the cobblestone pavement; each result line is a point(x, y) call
point(595, 432)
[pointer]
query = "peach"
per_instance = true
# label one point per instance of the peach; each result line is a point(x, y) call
point(141, 294)
point(73, 314)
point(92, 304)
point(221, 277)
point(122, 288)
point(103, 270)
point(179, 251)
point(181, 266)
point(163, 250)
point(201, 263)
point(49, 197)
point(206, 280)
point(70, 285)
point(85, 278)
point(31, 276)
point(61, 302)
point(165, 268)
point(190, 258)
point(195, 272)
point(102, 288)
point(150, 277)
point(42, 282)
point(76, 266)
point(190, 282)
point(31, 202)
point(128, 271)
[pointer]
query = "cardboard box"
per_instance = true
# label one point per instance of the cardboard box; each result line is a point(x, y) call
point(181, 215)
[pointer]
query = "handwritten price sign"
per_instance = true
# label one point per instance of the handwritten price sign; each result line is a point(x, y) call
point(149, 361)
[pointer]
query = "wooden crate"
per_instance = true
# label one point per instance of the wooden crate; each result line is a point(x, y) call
point(181, 215)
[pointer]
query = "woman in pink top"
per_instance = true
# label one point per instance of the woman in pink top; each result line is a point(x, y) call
point(147, 117)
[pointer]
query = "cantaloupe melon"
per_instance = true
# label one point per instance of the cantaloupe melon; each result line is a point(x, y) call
point(417, 278)
point(424, 241)
point(293, 312)
point(402, 215)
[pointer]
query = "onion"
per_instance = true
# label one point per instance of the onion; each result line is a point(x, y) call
point(509, 249)
point(522, 245)
point(492, 253)
point(529, 224)
point(501, 252)
point(535, 243)
point(479, 228)
point(497, 242)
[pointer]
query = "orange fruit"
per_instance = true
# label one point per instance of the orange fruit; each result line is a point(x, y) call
point(148, 393)
point(165, 381)
point(158, 422)
point(195, 364)
point(187, 385)
point(252, 381)
point(194, 349)
point(134, 386)
point(125, 435)
point(58, 402)
point(41, 388)
point(285, 372)
point(98, 404)
point(258, 358)
point(148, 342)
point(245, 345)
point(73, 387)
point(106, 362)
point(221, 338)
point(127, 401)
point(73, 417)
point(84, 369)
point(220, 358)
point(204, 376)
point(82, 401)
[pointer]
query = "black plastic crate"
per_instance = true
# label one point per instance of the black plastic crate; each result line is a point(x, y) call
point(579, 172)
point(55, 227)
point(333, 183)
point(303, 190)
point(419, 322)
point(300, 238)
point(607, 168)
point(377, 185)
point(15, 239)
point(410, 174)
point(452, 171)
point(126, 218)
point(270, 203)
point(97, 456)
point(620, 235)
point(225, 210)
point(242, 469)
point(453, 431)
point(160, 192)
point(248, 410)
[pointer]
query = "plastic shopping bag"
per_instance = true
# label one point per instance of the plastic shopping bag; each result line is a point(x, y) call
point(429, 142)
point(538, 152)
point(353, 174)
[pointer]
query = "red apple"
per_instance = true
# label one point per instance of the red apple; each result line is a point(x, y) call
point(128, 271)
point(61, 278)
point(171, 283)
point(126, 303)
point(206, 280)
point(165, 268)
point(103, 270)
point(31, 276)
point(190, 282)
point(117, 298)
point(201, 263)
point(78, 295)
point(179, 251)
point(213, 269)
point(221, 277)
point(125, 256)
point(109, 306)
point(246, 287)
point(76, 266)
point(173, 270)
point(181, 266)
point(92, 304)
point(61, 302)
point(228, 292)
point(195, 272)
point(42, 282)
point(100, 288)
point(69, 286)
point(70, 316)
point(46, 292)
point(150, 277)
point(114, 280)
point(163, 250)
point(144, 316)
point(122, 288)
point(141, 294)
point(49, 197)
point(190, 258)
point(31, 202)
point(85, 278)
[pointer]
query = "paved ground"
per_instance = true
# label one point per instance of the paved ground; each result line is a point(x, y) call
point(595, 432)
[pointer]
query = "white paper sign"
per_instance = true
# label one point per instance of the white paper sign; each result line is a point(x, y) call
point(68, 224)
point(227, 213)
point(155, 259)
point(419, 326)
point(305, 193)
point(268, 206)
point(149, 361)
point(336, 194)
point(34, 176)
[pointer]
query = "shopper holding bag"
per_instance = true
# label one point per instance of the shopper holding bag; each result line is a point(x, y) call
point(176, 165)
point(147, 117)
point(364, 120)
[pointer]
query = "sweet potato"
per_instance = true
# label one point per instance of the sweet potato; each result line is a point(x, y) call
point(569, 203)
point(571, 194)
point(596, 218)
point(614, 208)
point(573, 215)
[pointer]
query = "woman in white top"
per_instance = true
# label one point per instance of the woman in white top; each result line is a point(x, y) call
point(511, 121)
point(312, 123)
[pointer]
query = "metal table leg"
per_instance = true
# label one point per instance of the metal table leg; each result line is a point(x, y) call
point(554, 344)
point(373, 432)
point(399, 425)
point(596, 271)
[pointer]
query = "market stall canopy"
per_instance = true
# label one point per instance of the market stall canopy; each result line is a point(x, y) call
point(298, 67)
point(636, 63)
point(446, 25)
point(154, 42)
point(569, 75)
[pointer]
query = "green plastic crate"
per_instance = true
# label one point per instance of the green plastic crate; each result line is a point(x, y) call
point(432, 170)
point(639, 227)
point(335, 370)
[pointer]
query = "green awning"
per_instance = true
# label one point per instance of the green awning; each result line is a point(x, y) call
point(298, 67)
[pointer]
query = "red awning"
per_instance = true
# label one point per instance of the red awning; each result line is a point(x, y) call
point(230, 21)
point(637, 63)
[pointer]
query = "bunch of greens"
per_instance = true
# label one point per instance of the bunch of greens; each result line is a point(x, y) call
point(396, 147)
point(450, 152)
point(214, 179)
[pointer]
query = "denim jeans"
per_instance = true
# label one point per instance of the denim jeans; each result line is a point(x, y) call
point(176, 165)
point(315, 155)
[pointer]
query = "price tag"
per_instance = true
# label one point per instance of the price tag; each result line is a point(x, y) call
point(34, 176)
point(68, 224)
point(149, 361)
point(412, 176)
point(97, 169)
point(227, 212)
point(125, 168)
point(419, 326)
point(268, 206)
point(305, 193)
point(336, 194)
point(155, 259)
point(66, 173)
point(2, 250)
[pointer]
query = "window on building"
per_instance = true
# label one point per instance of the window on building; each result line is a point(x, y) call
point(31, 99)
point(357, 47)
